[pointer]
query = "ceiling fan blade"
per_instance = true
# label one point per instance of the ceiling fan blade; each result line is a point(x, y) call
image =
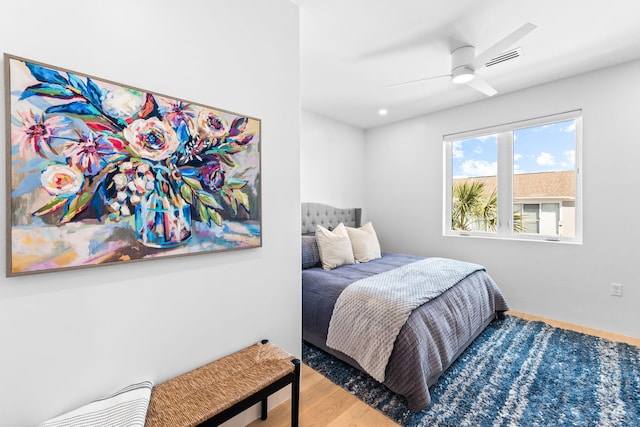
point(480, 84)
point(502, 45)
point(417, 81)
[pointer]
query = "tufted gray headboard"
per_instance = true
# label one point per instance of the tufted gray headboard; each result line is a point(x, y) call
point(328, 216)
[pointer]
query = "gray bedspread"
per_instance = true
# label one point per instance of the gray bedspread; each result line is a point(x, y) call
point(357, 329)
point(433, 336)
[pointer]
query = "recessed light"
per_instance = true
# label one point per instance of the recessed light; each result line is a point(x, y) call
point(382, 112)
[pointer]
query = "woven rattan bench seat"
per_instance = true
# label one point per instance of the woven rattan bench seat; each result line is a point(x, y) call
point(197, 396)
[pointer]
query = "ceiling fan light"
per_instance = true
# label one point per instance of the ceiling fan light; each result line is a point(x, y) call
point(462, 75)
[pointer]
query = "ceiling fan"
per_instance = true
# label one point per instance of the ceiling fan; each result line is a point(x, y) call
point(465, 63)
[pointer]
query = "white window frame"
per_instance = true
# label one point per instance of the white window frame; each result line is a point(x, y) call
point(504, 134)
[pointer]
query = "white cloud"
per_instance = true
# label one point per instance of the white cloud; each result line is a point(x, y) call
point(541, 128)
point(517, 157)
point(479, 168)
point(570, 159)
point(570, 128)
point(518, 169)
point(456, 151)
point(545, 159)
point(486, 137)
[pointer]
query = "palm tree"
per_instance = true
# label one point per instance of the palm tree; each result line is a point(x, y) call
point(518, 221)
point(487, 215)
point(472, 209)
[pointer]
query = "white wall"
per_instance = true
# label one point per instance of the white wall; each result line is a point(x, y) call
point(67, 338)
point(331, 162)
point(559, 281)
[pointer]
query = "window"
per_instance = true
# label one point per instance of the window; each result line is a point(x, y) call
point(537, 218)
point(519, 180)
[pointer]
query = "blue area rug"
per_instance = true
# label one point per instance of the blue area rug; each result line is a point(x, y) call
point(516, 373)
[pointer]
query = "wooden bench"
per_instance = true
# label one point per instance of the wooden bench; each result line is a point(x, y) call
point(220, 390)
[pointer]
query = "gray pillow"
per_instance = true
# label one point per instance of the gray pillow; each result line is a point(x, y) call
point(310, 254)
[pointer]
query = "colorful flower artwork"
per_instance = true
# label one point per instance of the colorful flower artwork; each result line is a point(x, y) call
point(100, 173)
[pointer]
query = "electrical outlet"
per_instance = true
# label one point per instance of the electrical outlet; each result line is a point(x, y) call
point(616, 289)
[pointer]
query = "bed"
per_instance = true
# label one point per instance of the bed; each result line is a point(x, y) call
point(434, 334)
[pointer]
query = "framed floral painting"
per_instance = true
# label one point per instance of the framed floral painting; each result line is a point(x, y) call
point(101, 173)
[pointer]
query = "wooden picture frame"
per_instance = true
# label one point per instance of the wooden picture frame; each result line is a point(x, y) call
point(102, 173)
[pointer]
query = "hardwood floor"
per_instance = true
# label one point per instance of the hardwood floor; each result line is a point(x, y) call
point(324, 404)
point(595, 332)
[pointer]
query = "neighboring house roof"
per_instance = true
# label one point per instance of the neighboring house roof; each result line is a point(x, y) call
point(557, 185)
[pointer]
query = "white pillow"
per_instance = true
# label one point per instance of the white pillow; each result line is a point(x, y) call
point(334, 247)
point(125, 408)
point(364, 242)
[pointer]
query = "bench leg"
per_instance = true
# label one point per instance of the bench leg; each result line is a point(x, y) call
point(295, 394)
point(264, 406)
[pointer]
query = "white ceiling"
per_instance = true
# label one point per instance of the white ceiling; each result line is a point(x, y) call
point(351, 49)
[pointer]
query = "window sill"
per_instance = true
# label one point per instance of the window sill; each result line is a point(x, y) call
point(549, 239)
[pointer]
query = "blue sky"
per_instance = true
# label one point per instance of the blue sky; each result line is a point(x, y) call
point(536, 149)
